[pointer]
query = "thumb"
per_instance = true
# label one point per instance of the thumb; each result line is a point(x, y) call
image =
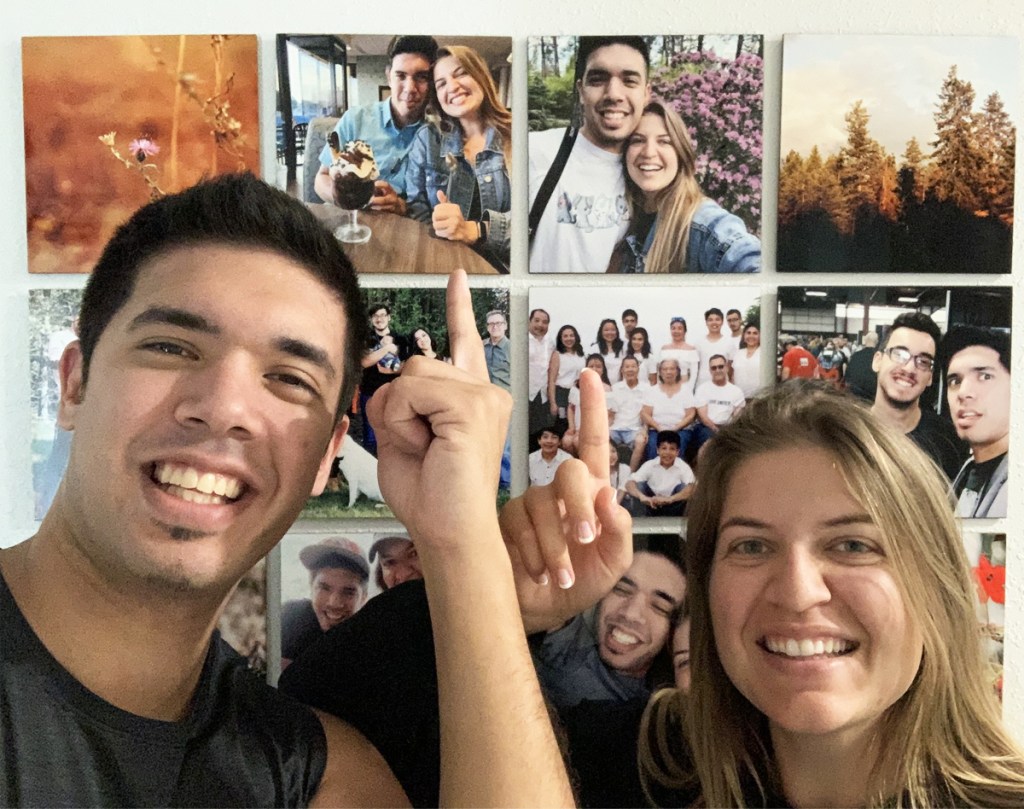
point(442, 197)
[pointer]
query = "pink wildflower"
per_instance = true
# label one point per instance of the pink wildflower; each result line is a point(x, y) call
point(143, 148)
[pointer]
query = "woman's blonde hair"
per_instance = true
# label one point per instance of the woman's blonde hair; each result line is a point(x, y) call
point(492, 111)
point(676, 203)
point(942, 742)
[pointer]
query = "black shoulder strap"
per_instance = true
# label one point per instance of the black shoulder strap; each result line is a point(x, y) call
point(551, 179)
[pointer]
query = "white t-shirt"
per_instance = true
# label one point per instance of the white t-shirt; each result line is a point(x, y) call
point(617, 478)
point(725, 346)
point(722, 401)
point(661, 480)
point(612, 361)
point(586, 215)
point(668, 410)
point(569, 367)
point(626, 402)
point(540, 356)
point(746, 371)
point(543, 472)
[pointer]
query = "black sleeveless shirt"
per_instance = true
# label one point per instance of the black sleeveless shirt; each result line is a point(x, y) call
point(243, 743)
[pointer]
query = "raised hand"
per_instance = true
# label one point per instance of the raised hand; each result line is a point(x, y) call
point(570, 541)
point(440, 434)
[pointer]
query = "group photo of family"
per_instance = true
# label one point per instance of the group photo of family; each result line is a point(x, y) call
point(676, 366)
point(402, 145)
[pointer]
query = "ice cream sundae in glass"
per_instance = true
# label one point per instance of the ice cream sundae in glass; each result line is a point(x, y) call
point(353, 185)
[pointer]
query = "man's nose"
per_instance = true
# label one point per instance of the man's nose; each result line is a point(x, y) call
point(222, 397)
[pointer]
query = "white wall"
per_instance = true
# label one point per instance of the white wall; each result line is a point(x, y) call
point(519, 18)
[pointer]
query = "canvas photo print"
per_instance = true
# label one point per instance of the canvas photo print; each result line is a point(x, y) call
point(645, 153)
point(113, 122)
point(402, 323)
point(986, 555)
point(327, 578)
point(897, 154)
point(933, 362)
point(401, 145)
point(676, 364)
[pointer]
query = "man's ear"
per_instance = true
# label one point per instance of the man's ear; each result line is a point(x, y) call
point(72, 386)
point(876, 361)
point(647, 94)
point(324, 472)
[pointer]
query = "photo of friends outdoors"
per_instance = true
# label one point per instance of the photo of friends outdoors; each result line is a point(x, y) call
point(404, 323)
point(900, 176)
point(112, 122)
point(934, 362)
point(402, 145)
point(986, 554)
point(645, 153)
point(676, 366)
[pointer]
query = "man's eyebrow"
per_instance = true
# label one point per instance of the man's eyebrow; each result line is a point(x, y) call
point(171, 316)
point(671, 599)
point(306, 351)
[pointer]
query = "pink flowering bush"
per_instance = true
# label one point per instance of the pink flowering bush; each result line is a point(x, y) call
point(721, 101)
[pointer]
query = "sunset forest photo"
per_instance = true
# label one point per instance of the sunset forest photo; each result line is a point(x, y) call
point(897, 154)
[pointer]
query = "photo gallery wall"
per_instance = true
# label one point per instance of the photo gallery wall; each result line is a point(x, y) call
point(644, 156)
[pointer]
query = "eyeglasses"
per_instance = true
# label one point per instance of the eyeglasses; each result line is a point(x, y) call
point(901, 356)
point(717, 367)
point(493, 323)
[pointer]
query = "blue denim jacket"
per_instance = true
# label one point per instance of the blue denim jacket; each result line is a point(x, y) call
point(719, 242)
point(427, 174)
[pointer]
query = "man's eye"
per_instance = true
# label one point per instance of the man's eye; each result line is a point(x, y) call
point(168, 348)
point(293, 381)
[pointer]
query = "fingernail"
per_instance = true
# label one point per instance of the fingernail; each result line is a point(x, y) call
point(543, 580)
point(565, 578)
point(586, 533)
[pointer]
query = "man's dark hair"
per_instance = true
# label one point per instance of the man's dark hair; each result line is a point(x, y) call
point(554, 428)
point(714, 310)
point(961, 337)
point(918, 321)
point(627, 312)
point(534, 311)
point(376, 306)
point(734, 311)
point(721, 357)
point(588, 45)
point(423, 45)
point(668, 436)
point(236, 210)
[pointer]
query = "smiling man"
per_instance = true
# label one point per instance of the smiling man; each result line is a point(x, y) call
point(586, 213)
point(977, 363)
point(199, 431)
point(338, 575)
point(389, 126)
point(904, 367)
point(610, 660)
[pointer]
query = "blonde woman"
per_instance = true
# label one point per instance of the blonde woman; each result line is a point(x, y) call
point(836, 657)
point(458, 174)
point(674, 227)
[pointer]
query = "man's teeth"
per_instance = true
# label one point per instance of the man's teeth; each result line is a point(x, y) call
point(807, 647)
point(624, 637)
point(198, 487)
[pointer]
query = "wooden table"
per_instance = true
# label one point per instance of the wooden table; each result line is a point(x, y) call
point(401, 244)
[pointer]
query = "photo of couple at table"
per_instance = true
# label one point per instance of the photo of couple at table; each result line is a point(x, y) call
point(435, 112)
point(645, 154)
